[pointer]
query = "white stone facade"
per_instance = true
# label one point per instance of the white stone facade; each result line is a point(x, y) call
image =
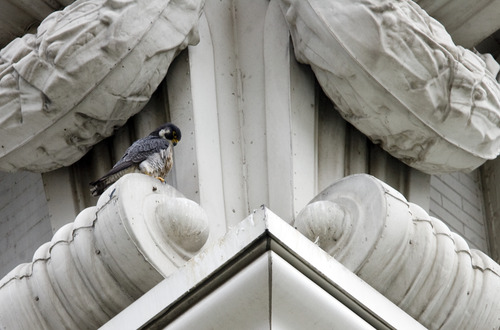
point(259, 130)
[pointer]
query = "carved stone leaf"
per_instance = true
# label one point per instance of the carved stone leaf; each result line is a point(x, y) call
point(395, 74)
point(87, 70)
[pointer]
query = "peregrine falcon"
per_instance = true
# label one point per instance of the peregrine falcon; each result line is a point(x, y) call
point(151, 155)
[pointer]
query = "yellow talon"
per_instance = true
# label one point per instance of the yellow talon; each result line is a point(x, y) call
point(161, 179)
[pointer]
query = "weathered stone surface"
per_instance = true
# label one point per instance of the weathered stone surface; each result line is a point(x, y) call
point(140, 232)
point(411, 258)
point(84, 73)
point(396, 75)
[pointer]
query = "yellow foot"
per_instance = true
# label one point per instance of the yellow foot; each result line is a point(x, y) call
point(161, 179)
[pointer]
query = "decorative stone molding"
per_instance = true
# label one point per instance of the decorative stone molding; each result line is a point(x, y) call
point(263, 274)
point(411, 258)
point(401, 80)
point(86, 71)
point(140, 232)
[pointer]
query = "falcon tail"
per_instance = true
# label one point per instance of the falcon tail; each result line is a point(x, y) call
point(98, 187)
point(120, 169)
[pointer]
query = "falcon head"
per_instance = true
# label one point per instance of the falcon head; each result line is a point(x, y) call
point(168, 131)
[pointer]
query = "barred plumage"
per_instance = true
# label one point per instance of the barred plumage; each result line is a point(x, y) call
point(152, 155)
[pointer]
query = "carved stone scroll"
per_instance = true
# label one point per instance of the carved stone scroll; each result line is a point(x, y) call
point(85, 72)
point(395, 74)
point(140, 232)
point(411, 258)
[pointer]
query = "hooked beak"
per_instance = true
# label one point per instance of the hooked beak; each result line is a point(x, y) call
point(174, 142)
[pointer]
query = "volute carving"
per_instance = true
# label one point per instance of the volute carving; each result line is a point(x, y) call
point(410, 257)
point(140, 232)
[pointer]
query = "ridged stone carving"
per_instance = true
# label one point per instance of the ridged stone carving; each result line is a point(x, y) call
point(84, 73)
point(408, 256)
point(395, 74)
point(140, 232)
